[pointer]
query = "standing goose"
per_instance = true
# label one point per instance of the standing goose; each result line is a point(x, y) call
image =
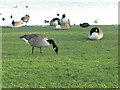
point(65, 22)
point(16, 24)
point(95, 34)
point(39, 41)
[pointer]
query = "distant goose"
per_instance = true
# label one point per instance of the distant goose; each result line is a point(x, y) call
point(95, 34)
point(39, 41)
point(84, 25)
point(45, 21)
point(54, 21)
point(58, 27)
point(16, 24)
point(25, 18)
point(65, 22)
point(3, 19)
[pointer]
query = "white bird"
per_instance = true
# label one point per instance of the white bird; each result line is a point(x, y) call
point(95, 34)
point(39, 41)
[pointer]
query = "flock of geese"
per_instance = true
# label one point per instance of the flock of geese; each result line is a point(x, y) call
point(40, 40)
point(17, 24)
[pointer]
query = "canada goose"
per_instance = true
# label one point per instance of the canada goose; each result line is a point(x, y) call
point(54, 21)
point(95, 34)
point(16, 24)
point(58, 27)
point(39, 41)
point(65, 22)
point(45, 21)
point(25, 18)
point(84, 25)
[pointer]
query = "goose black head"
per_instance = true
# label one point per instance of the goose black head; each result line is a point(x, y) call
point(58, 14)
point(54, 45)
point(63, 16)
point(56, 49)
point(94, 30)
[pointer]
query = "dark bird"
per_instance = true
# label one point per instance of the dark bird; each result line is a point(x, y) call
point(3, 19)
point(15, 6)
point(39, 41)
point(45, 21)
point(26, 6)
point(58, 14)
point(11, 16)
point(95, 34)
point(84, 25)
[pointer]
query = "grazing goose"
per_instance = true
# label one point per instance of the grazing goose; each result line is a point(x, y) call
point(25, 18)
point(39, 41)
point(95, 34)
point(58, 27)
point(65, 22)
point(16, 24)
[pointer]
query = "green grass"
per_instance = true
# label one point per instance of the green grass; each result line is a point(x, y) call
point(81, 63)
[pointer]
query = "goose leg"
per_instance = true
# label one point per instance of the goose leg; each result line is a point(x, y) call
point(32, 49)
point(40, 50)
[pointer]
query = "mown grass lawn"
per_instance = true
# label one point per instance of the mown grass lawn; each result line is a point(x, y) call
point(81, 63)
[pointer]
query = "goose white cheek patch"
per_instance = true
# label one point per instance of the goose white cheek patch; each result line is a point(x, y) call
point(25, 40)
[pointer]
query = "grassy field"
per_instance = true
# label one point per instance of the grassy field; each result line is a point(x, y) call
point(81, 63)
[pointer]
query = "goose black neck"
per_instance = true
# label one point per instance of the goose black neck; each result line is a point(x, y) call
point(59, 22)
point(13, 22)
point(52, 42)
point(54, 45)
